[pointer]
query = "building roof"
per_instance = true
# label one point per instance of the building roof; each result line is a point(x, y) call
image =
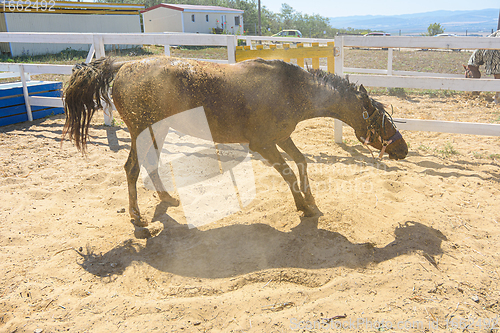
point(73, 7)
point(196, 8)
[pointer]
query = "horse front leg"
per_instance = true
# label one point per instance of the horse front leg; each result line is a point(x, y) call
point(160, 189)
point(132, 170)
point(158, 139)
point(273, 156)
point(291, 149)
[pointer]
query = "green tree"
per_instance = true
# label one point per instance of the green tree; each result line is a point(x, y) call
point(315, 26)
point(434, 29)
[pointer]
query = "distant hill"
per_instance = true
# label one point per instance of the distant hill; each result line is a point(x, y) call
point(458, 22)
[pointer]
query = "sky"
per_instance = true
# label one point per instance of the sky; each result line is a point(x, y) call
point(336, 8)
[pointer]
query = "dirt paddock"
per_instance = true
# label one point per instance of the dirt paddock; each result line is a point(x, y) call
point(409, 244)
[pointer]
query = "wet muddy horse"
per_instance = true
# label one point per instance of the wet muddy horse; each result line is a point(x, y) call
point(258, 102)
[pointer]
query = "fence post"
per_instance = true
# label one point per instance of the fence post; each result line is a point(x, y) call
point(315, 60)
point(330, 61)
point(300, 61)
point(231, 49)
point(99, 46)
point(108, 113)
point(389, 61)
point(248, 42)
point(99, 53)
point(91, 53)
point(25, 93)
point(167, 50)
point(338, 53)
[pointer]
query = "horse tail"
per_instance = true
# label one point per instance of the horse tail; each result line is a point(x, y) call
point(88, 86)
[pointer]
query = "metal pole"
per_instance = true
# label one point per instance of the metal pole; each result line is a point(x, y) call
point(25, 93)
point(498, 27)
point(260, 25)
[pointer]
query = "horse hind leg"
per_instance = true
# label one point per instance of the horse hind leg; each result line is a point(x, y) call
point(273, 156)
point(132, 170)
point(289, 147)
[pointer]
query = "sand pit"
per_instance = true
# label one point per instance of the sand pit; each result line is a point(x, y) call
point(411, 243)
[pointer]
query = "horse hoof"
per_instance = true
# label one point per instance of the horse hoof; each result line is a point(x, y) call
point(173, 202)
point(139, 222)
point(308, 212)
point(150, 231)
point(167, 198)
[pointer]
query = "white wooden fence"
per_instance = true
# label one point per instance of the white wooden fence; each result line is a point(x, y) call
point(368, 77)
point(418, 80)
point(97, 42)
point(24, 71)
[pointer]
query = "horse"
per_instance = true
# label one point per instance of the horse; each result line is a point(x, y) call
point(255, 102)
point(489, 58)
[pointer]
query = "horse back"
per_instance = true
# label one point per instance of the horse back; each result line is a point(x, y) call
point(236, 98)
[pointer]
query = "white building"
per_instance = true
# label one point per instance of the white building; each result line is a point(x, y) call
point(64, 16)
point(192, 19)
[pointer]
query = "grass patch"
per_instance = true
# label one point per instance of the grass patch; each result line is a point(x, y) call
point(406, 93)
point(494, 156)
point(448, 150)
point(424, 148)
point(498, 117)
point(477, 154)
point(117, 123)
point(408, 60)
point(398, 92)
point(435, 93)
point(70, 56)
point(350, 142)
point(484, 155)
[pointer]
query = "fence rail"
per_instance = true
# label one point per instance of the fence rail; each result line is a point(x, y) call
point(402, 79)
point(98, 40)
point(368, 77)
point(97, 43)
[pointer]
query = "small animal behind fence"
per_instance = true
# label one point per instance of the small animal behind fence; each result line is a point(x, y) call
point(491, 61)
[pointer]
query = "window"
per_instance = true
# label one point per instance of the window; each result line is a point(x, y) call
point(192, 18)
point(237, 20)
point(206, 18)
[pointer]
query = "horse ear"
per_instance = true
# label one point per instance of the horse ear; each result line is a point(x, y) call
point(362, 89)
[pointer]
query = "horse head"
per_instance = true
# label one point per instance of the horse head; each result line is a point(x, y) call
point(380, 131)
point(472, 72)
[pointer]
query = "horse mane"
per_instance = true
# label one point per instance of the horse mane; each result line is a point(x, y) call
point(340, 84)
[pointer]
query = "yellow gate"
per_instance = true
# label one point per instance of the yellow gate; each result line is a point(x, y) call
point(315, 52)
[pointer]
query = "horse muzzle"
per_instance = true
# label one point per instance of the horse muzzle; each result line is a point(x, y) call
point(397, 150)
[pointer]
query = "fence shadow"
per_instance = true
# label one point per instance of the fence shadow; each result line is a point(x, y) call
point(50, 128)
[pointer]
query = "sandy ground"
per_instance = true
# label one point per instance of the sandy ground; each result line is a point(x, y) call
point(411, 244)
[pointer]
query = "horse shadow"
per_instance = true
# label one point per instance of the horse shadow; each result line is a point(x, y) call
point(452, 168)
point(456, 168)
point(246, 248)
